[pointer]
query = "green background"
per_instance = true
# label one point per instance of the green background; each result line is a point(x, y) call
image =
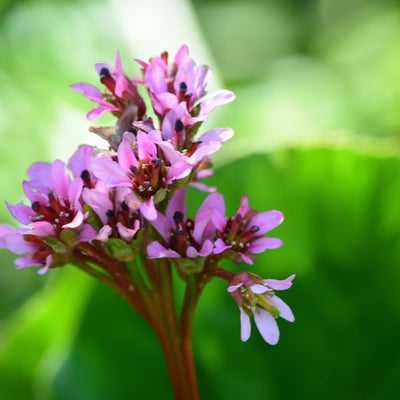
point(317, 120)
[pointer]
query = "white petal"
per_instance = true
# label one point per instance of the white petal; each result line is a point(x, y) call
point(267, 326)
point(284, 310)
point(245, 326)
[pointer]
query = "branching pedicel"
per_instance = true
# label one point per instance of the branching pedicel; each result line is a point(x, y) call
point(120, 214)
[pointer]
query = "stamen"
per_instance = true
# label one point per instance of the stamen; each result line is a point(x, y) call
point(124, 206)
point(178, 217)
point(254, 228)
point(134, 170)
point(110, 214)
point(36, 206)
point(104, 73)
point(85, 174)
point(182, 87)
point(179, 127)
point(156, 162)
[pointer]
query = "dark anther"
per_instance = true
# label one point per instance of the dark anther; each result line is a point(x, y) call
point(85, 174)
point(134, 170)
point(104, 72)
point(254, 228)
point(182, 87)
point(110, 214)
point(179, 127)
point(178, 217)
point(124, 206)
point(133, 130)
point(156, 162)
point(238, 217)
point(36, 206)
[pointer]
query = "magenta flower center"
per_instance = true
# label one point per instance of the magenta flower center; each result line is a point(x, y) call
point(181, 238)
point(238, 233)
point(123, 216)
point(58, 212)
point(148, 178)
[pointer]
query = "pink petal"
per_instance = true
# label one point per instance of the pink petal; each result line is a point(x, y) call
point(205, 250)
point(246, 259)
point(110, 172)
point(60, 177)
point(13, 239)
point(181, 55)
point(99, 202)
point(245, 326)
point(215, 100)
point(284, 310)
point(202, 187)
point(267, 221)
point(104, 233)
point(278, 284)
point(244, 206)
point(89, 91)
point(88, 233)
point(126, 157)
point(21, 213)
point(79, 161)
point(148, 209)
point(75, 191)
point(41, 172)
point(146, 147)
point(258, 289)
point(26, 261)
point(220, 246)
point(232, 288)
point(100, 110)
point(77, 221)
point(266, 325)
point(49, 261)
point(157, 250)
point(177, 203)
point(177, 171)
point(217, 135)
point(126, 233)
point(264, 243)
point(42, 228)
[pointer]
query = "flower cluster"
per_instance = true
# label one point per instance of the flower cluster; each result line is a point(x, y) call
point(108, 208)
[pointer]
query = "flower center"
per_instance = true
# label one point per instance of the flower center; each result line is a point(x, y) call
point(181, 237)
point(58, 212)
point(238, 234)
point(148, 178)
point(124, 216)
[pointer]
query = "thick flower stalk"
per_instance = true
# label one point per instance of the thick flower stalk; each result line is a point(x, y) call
point(120, 213)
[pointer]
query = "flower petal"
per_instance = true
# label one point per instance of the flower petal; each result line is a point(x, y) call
point(148, 209)
point(284, 310)
point(261, 244)
point(245, 326)
point(215, 100)
point(110, 172)
point(157, 250)
point(278, 284)
point(267, 221)
point(266, 325)
point(22, 213)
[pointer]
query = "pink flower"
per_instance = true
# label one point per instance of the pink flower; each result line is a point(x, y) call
point(121, 92)
point(55, 207)
point(255, 296)
point(140, 168)
point(184, 237)
point(117, 211)
point(243, 234)
point(180, 81)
